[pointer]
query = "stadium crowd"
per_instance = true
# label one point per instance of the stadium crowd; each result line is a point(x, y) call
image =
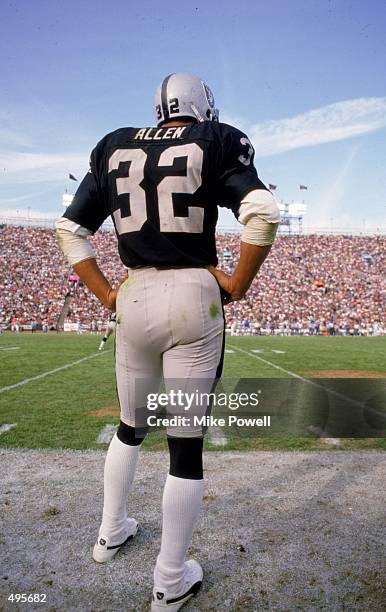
point(309, 284)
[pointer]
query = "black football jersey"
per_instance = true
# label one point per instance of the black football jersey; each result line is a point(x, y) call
point(162, 187)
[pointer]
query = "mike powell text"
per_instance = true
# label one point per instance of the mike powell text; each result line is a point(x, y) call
point(208, 421)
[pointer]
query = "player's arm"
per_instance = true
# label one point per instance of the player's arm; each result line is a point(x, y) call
point(83, 217)
point(251, 258)
point(259, 214)
point(90, 273)
point(257, 211)
point(80, 255)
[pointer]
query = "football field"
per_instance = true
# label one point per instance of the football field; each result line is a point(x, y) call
point(280, 528)
point(58, 391)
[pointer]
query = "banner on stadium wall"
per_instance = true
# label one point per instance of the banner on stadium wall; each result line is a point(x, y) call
point(71, 327)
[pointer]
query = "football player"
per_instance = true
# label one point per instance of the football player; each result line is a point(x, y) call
point(162, 187)
point(110, 329)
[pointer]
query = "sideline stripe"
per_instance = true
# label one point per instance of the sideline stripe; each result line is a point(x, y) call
point(44, 374)
point(306, 380)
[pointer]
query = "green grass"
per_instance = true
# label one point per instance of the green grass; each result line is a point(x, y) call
point(54, 411)
point(309, 353)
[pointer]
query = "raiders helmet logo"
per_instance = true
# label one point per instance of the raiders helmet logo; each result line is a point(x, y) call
point(160, 596)
point(209, 95)
point(102, 542)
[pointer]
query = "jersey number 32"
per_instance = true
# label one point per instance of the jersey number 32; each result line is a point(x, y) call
point(130, 184)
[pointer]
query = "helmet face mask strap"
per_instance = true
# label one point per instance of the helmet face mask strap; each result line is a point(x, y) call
point(199, 117)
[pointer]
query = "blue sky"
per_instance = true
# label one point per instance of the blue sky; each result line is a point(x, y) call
point(305, 79)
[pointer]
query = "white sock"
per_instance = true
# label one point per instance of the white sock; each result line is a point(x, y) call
point(180, 508)
point(120, 464)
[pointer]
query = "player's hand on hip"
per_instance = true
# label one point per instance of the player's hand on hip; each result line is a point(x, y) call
point(226, 285)
point(111, 298)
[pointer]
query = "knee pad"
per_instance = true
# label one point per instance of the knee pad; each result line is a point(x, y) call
point(186, 457)
point(132, 436)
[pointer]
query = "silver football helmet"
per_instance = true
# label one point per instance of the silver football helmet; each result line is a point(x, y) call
point(184, 95)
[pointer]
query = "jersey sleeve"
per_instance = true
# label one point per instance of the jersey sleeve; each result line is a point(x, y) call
point(89, 208)
point(238, 175)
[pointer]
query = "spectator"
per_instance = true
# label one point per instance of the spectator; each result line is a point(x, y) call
point(308, 285)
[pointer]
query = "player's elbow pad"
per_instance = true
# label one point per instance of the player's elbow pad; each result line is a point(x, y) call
point(260, 215)
point(73, 241)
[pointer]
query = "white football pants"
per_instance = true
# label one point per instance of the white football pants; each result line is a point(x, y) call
point(170, 327)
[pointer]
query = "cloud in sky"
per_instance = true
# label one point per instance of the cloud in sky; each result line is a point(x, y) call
point(40, 167)
point(318, 126)
point(329, 123)
point(27, 197)
point(14, 138)
point(329, 205)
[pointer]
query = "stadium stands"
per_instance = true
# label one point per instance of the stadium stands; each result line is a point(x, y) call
point(309, 284)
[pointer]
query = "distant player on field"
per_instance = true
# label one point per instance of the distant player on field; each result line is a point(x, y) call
point(110, 329)
point(162, 187)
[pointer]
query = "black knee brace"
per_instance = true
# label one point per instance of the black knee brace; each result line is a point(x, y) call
point(186, 457)
point(132, 436)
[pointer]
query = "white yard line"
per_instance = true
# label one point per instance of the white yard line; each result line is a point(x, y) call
point(106, 434)
point(44, 374)
point(9, 348)
point(217, 436)
point(306, 380)
point(6, 427)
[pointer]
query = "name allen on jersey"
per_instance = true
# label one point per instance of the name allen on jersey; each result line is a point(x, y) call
point(162, 187)
point(159, 133)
